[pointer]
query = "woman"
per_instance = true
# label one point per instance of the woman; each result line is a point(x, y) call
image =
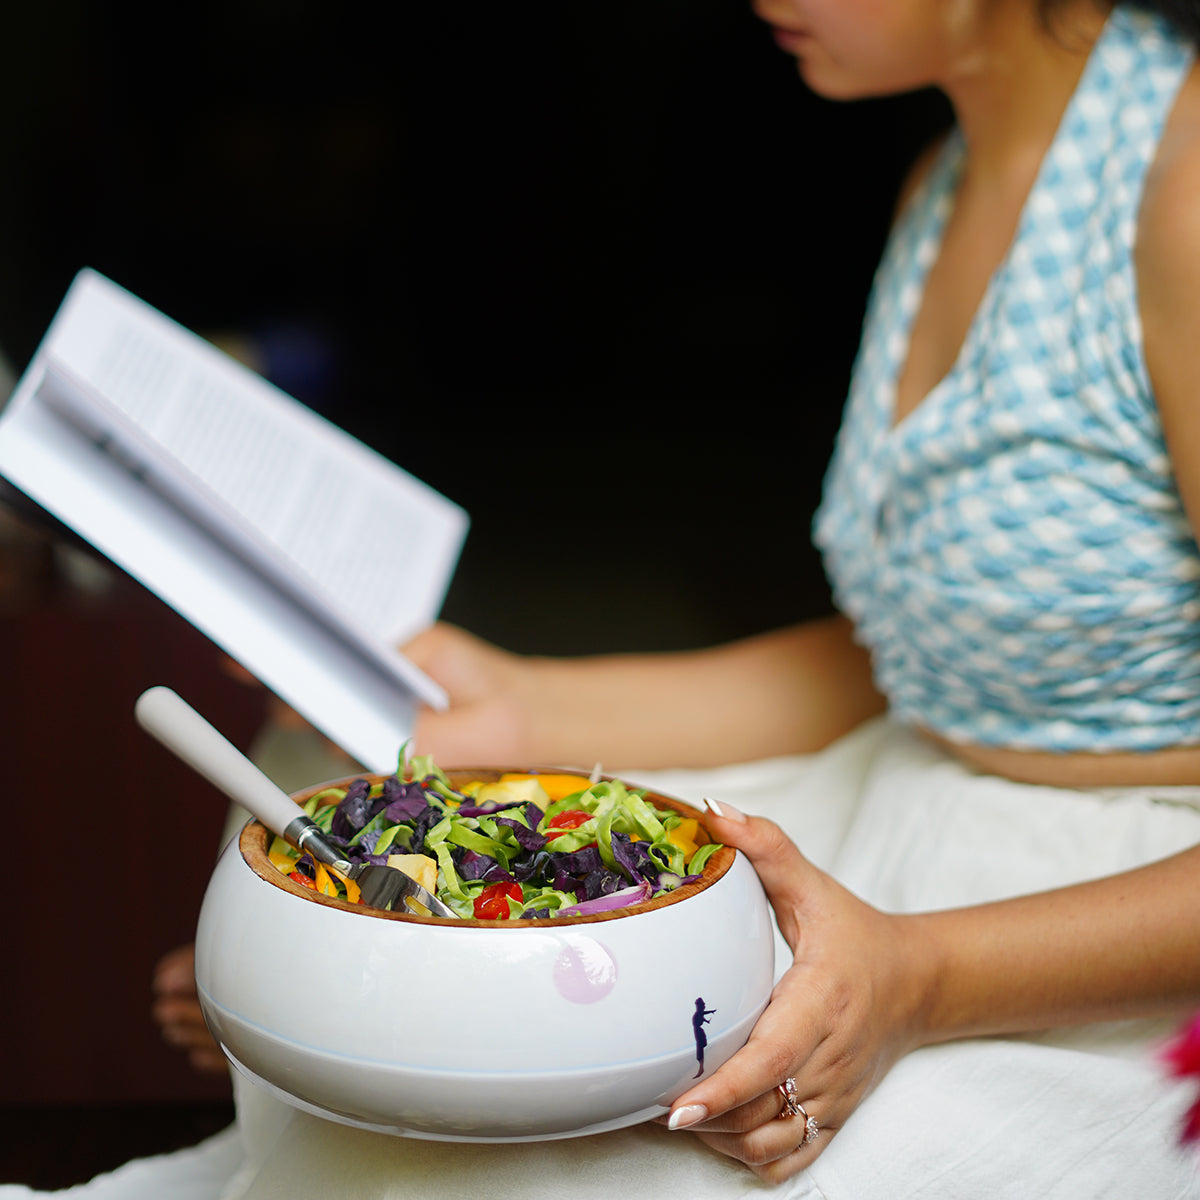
point(1007, 524)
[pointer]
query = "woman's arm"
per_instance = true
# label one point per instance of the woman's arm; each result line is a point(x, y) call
point(1123, 946)
point(784, 692)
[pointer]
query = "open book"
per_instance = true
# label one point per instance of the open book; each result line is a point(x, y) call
point(299, 551)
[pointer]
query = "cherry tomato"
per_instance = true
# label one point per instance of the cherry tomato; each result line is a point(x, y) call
point(492, 903)
point(303, 880)
point(569, 818)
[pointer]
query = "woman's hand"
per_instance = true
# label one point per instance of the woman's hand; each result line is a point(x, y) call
point(491, 718)
point(177, 1010)
point(847, 1009)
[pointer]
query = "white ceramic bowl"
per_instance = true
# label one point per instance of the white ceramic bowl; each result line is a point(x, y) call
point(480, 1031)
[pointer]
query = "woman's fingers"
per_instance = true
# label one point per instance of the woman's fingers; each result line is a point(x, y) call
point(765, 1134)
point(838, 1018)
point(775, 1155)
point(175, 972)
point(182, 1026)
point(176, 1010)
point(786, 875)
point(776, 1142)
point(741, 1110)
point(487, 720)
point(467, 667)
point(773, 854)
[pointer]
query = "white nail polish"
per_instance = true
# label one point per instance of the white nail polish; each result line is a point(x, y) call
point(688, 1115)
point(726, 811)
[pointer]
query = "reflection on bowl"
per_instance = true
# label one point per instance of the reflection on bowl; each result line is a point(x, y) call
point(476, 1030)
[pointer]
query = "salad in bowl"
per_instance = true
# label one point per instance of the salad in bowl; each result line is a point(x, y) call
point(511, 845)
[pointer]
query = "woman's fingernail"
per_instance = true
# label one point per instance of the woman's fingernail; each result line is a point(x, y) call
point(725, 810)
point(689, 1114)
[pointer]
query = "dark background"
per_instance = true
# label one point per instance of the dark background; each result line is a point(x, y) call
point(595, 272)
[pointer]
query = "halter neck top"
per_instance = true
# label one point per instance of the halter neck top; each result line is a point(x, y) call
point(1014, 551)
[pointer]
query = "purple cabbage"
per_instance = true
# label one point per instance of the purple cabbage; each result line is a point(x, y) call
point(527, 838)
point(374, 860)
point(600, 882)
point(473, 865)
point(403, 801)
point(569, 870)
point(578, 862)
point(634, 858)
point(425, 821)
point(354, 811)
point(530, 866)
point(487, 809)
point(306, 865)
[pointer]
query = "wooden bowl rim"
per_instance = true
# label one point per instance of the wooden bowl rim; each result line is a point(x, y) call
point(254, 840)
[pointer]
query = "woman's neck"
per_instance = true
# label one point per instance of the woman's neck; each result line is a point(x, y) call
point(1011, 80)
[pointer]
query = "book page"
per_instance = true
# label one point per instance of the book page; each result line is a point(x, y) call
point(291, 646)
point(340, 512)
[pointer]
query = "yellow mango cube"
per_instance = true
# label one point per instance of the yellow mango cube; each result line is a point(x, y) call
point(420, 867)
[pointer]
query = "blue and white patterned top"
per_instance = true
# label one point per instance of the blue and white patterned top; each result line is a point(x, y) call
point(1014, 552)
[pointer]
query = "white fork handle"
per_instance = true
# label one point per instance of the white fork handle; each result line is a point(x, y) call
point(180, 728)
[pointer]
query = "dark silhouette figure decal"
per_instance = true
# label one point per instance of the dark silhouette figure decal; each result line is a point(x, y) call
point(699, 1020)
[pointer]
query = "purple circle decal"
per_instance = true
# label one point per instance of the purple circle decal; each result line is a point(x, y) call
point(585, 971)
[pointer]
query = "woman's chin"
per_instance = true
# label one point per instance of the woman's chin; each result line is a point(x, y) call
point(832, 84)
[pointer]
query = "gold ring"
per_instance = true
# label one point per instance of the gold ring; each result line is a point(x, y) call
point(811, 1128)
point(793, 1108)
